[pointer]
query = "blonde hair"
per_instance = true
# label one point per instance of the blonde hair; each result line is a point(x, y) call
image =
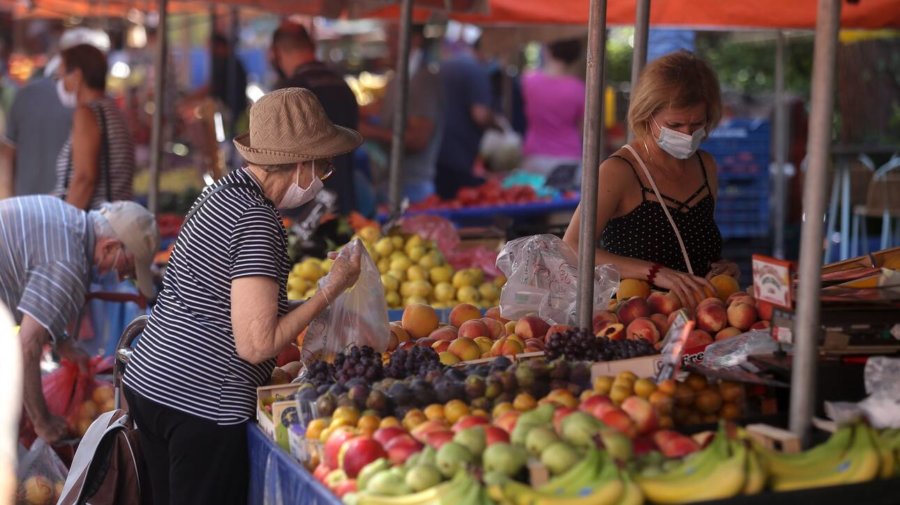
point(678, 80)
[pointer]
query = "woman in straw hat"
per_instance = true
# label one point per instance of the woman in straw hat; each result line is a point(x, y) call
point(223, 314)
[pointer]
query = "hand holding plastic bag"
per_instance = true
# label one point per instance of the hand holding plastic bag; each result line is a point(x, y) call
point(542, 273)
point(357, 312)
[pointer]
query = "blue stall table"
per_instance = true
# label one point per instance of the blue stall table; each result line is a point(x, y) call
point(276, 478)
point(477, 216)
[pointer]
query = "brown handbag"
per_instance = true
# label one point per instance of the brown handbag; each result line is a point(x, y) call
point(108, 467)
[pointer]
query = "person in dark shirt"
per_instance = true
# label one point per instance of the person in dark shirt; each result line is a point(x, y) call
point(293, 56)
point(232, 94)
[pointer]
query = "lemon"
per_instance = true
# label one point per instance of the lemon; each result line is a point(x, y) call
point(328, 262)
point(295, 295)
point(468, 294)
point(406, 289)
point(444, 292)
point(420, 288)
point(415, 300)
point(489, 292)
point(500, 281)
point(384, 247)
point(309, 294)
point(297, 283)
point(398, 242)
point(400, 275)
point(390, 282)
point(311, 270)
point(416, 273)
point(442, 273)
point(416, 253)
point(392, 299)
point(370, 234)
point(401, 264)
point(384, 264)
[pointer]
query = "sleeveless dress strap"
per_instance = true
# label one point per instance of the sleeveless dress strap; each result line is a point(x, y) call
point(644, 189)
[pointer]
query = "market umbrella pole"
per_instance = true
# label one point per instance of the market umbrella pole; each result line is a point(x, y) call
point(395, 193)
point(593, 139)
point(159, 85)
point(806, 322)
point(641, 37)
point(780, 149)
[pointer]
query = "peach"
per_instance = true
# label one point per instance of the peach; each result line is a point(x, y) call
point(602, 317)
point(673, 444)
point(409, 344)
point(697, 338)
point(494, 313)
point(465, 348)
point(710, 301)
point(663, 303)
point(510, 327)
point(662, 323)
point(474, 328)
point(740, 296)
point(441, 346)
point(484, 344)
point(531, 327)
point(729, 332)
point(644, 328)
point(725, 285)
point(402, 335)
point(712, 317)
point(495, 327)
point(512, 347)
point(430, 426)
point(619, 420)
point(462, 313)
point(741, 315)
point(425, 342)
point(534, 342)
point(631, 309)
point(496, 348)
point(556, 328)
point(641, 412)
point(517, 338)
point(765, 310)
point(614, 331)
point(507, 420)
point(419, 320)
point(761, 325)
point(447, 333)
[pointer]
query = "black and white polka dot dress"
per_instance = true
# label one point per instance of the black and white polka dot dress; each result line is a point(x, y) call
point(645, 232)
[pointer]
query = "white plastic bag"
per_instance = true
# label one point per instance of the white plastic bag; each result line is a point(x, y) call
point(501, 149)
point(358, 316)
point(41, 474)
point(542, 274)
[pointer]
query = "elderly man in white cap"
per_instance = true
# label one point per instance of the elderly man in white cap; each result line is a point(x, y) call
point(49, 253)
point(38, 125)
point(224, 297)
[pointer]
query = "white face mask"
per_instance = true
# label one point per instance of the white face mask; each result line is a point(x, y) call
point(297, 196)
point(679, 145)
point(69, 99)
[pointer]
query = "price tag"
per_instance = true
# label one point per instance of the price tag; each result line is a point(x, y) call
point(673, 346)
point(772, 281)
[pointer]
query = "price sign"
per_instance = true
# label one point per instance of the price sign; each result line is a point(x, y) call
point(772, 281)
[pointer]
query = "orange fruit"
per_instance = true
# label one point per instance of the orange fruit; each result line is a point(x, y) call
point(349, 414)
point(454, 410)
point(524, 402)
point(368, 423)
point(644, 387)
point(501, 408)
point(725, 285)
point(413, 418)
point(434, 411)
point(315, 427)
point(632, 287)
point(389, 421)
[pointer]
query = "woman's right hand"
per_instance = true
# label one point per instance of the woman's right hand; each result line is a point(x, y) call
point(690, 289)
point(344, 273)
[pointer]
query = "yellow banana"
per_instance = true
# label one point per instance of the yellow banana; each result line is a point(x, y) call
point(815, 461)
point(756, 474)
point(607, 492)
point(715, 451)
point(632, 494)
point(463, 490)
point(716, 479)
point(860, 463)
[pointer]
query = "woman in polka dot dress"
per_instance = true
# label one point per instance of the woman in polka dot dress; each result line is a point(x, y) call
point(675, 104)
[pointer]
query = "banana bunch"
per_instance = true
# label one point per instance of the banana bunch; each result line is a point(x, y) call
point(724, 469)
point(849, 456)
point(595, 480)
point(462, 489)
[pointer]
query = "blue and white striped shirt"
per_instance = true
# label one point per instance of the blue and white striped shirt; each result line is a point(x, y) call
point(46, 253)
point(187, 358)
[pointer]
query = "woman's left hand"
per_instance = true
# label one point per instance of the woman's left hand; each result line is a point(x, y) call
point(344, 273)
point(729, 268)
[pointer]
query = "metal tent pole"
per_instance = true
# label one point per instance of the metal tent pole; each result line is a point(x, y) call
point(593, 139)
point(803, 373)
point(159, 86)
point(779, 219)
point(395, 193)
point(641, 37)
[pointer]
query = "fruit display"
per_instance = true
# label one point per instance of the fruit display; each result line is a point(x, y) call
point(575, 343)
point(490, 194)
point(413, 270)
point(100, 400)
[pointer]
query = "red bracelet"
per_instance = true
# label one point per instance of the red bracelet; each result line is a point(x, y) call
point(654, 269)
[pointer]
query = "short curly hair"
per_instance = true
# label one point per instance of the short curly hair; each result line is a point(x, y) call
point(90, 60)
point(678, 80)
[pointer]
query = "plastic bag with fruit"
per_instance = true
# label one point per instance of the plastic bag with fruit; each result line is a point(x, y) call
point(542, 273)
point(358, 316)
point(78, 395)
point(41, 475)
point(435, 228)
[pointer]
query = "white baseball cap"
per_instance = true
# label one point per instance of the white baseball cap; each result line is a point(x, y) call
point(77, 36)
point(136, 227)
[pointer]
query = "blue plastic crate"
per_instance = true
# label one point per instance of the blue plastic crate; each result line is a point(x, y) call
point(741, 147)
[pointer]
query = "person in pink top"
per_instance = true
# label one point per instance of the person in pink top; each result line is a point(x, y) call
point(554, 110)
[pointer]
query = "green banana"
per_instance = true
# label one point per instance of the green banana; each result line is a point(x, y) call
point(463, 490)
point(715, 451)
point(606, 492)
point(718, 478)
point(814, 461)
point(583, 474)
point(859, 463)
point(632, 494)
point(430, 496)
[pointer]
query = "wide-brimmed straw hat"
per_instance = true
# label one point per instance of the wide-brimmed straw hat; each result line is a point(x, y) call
point(289, 125)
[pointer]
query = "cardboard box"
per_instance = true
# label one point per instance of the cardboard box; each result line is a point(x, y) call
point(645, 366)
point(284, 412)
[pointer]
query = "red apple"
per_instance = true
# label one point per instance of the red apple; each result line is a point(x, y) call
point(359, 452)
point(507, 420)
point(333, 444)
point(386, 434)
point(589, 404)
point(641, 412)
point(495, 435)
point(421, 431)
point(399, 449)
point(437, 439)
point(673, 444)
point(558, 415)
point(321, 471)
point(620, 421)
point(347, 486)
point(469, 421)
